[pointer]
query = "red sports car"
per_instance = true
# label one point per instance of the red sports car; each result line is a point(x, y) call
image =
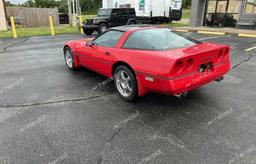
point(146, 59)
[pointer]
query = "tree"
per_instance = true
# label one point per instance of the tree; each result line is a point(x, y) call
point(90, 6)
point(63, 6)
point(8, 3)
point(186, 3)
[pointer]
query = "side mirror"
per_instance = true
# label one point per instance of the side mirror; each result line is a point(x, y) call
point(90, 44)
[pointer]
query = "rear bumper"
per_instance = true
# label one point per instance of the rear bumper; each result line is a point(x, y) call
point(179, 84)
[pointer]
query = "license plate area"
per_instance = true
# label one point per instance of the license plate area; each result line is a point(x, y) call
point(206, 67)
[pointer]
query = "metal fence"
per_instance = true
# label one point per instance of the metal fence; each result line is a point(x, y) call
point(33, 17)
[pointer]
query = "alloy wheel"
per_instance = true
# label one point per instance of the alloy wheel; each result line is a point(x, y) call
point(124, 83)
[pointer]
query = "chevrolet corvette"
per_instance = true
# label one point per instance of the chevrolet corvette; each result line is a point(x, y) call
point(145, 59)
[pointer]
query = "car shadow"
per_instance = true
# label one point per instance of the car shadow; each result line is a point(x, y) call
point(146, 103)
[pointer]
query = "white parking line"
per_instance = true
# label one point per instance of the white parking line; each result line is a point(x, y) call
point(213, 37)
point(250, 49)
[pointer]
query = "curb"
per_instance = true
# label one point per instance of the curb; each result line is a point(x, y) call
point(218, 33)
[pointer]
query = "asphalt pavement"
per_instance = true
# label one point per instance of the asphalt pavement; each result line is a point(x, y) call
point(49, 114)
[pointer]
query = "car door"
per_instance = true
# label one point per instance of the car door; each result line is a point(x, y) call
point(124, 15)
point(99, 55)
point(115, 18)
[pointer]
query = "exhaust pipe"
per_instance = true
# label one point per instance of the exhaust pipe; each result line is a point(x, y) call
point(219, 79)
point(181, 95)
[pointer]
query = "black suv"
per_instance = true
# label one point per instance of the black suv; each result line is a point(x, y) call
point(109, 17)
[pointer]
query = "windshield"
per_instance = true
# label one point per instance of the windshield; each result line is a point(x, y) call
point(157, 39)
point(104, 12)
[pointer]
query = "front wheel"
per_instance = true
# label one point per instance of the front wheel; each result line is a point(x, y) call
point(125, 83)
point(68, 56)
point(88, 32)
point(103, 28)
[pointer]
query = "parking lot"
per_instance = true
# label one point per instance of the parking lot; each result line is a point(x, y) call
point(49, 114)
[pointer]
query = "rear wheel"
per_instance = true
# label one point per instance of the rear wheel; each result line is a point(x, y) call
point(68, 56)
point(103, 27)
point(125, 83)
point(131, 23)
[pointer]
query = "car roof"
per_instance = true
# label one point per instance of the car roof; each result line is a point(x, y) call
point(118, 8)
point(136, 27)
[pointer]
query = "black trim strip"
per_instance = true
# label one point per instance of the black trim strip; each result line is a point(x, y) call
point(166, 78)
point(218, 64)
point(175, 77)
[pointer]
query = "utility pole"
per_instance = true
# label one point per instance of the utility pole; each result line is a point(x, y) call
point(69, 13)
point(78, 8)
point(74, 13)
point(3, 22)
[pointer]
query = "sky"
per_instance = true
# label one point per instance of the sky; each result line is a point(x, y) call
point(16, 1)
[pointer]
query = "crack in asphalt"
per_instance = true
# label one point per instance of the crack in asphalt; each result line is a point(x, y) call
point(53, 102)
point(4, 49)
point(243, 61)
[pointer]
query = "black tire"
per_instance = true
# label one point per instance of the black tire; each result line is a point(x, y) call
point(103, 27)
point(72, 66)
point(88, 32)
point(131, 23)
point(133, 83)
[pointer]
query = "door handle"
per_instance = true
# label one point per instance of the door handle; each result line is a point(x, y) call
point(107, 53)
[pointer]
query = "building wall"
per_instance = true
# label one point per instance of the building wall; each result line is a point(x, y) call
point(107, 3)
point(250, 17)
point(3, 23)
point(198, 9)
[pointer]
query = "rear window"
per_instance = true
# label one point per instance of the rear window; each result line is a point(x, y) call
point(156, 39)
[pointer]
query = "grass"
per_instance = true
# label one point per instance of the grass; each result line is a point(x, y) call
point(177, 24)
point(66, 29)
point(186, 14)
point(88, 16)
point(39, 31)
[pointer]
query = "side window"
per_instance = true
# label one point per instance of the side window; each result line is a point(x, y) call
point(132, 13)
point(115, 13)
point(140, 40)
point(108, 39)
point(124, 13)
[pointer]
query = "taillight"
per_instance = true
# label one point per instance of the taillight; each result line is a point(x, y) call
point(179, 66)
point(223, 54)
point(220, 54)
point(189, 64)
point(226, 52)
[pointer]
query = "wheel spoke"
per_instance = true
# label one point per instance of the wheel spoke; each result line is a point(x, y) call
point(123, 76)
point(129, 88)
point(69, 59)
point(127, 80)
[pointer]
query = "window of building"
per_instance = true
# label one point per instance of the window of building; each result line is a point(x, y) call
point(250, 7)
point(234, 6)
point(211, 6)
point(222, 12)
point(221, 6)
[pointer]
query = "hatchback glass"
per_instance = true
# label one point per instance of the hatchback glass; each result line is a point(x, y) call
point(157, 39)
